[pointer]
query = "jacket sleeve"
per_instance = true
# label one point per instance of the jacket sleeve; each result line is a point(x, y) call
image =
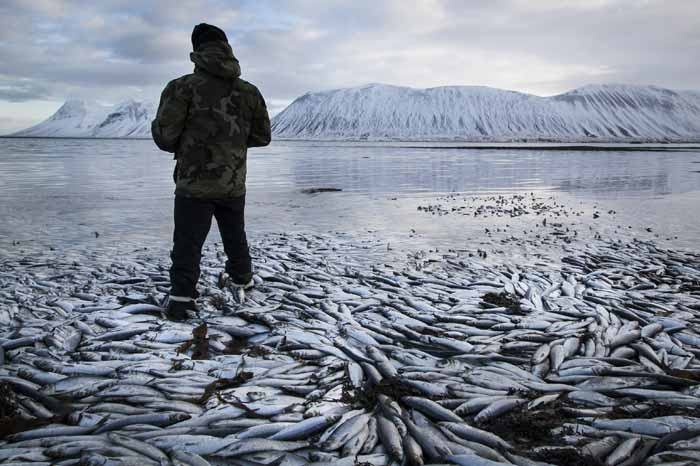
point(260, 134)
point(170, 118)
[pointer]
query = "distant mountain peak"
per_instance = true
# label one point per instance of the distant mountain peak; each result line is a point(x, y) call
point(78, 118)
point(70, 109)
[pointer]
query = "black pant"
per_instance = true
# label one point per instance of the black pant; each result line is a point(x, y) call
point(192, 223)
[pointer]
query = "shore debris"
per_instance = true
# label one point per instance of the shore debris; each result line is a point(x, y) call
point(507, 206)
point(320, 190)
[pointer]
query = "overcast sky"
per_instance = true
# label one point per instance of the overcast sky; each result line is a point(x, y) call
point(110, 50)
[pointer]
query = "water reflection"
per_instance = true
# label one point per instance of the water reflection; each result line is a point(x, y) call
point(410, 170)
point(64, 190)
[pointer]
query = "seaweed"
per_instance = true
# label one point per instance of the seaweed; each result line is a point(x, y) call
point(257, 351)
point(8, 401)
point(565, 456)
point(366, 396)
point(502, 300)
point(223, 384)
point(530, 429)
point(199, 343)
point(236, 346)
point(11, 420)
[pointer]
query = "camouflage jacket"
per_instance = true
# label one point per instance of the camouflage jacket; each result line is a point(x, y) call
point(208, 119)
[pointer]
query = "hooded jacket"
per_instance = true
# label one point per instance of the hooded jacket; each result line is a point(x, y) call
point(208, 119)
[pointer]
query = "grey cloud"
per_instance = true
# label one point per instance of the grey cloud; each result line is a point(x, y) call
point(12, 90)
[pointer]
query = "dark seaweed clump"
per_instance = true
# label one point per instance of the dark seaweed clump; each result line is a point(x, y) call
point(10, 420)
point(257, 351)
point(565, 456)
point(199, 343)
point(366, 397)
point(8, 401)
point(223, 384)
point(501, 300)
point(529, 429)
point(236, 346)
point(241, 346)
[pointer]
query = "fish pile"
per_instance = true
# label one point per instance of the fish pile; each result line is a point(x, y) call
point(335, 360)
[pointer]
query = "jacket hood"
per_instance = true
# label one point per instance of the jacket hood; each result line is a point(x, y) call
point(216, 58)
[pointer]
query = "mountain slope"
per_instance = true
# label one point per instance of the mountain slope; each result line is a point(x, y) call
point(129, 119)
point(75, 118)
point(591, 113)
point(80, 119)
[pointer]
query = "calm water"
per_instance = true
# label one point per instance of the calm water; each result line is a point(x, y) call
point(60, 192)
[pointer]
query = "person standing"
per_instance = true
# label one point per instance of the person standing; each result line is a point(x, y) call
point(209, 119)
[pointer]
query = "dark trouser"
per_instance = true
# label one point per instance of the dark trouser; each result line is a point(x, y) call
point(192, 223)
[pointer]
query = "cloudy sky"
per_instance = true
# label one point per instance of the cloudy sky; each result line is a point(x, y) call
point(110, 50)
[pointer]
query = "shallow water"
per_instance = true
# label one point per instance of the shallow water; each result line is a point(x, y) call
point(66, 192)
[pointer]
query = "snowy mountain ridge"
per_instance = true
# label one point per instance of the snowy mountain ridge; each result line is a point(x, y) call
point(594, 113)
point(80, 119)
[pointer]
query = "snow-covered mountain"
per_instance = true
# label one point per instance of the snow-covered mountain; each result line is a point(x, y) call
point(470, 113)
point(598, 113)
point(76, 118)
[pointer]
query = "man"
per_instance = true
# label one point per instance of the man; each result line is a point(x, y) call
point(208, 119)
